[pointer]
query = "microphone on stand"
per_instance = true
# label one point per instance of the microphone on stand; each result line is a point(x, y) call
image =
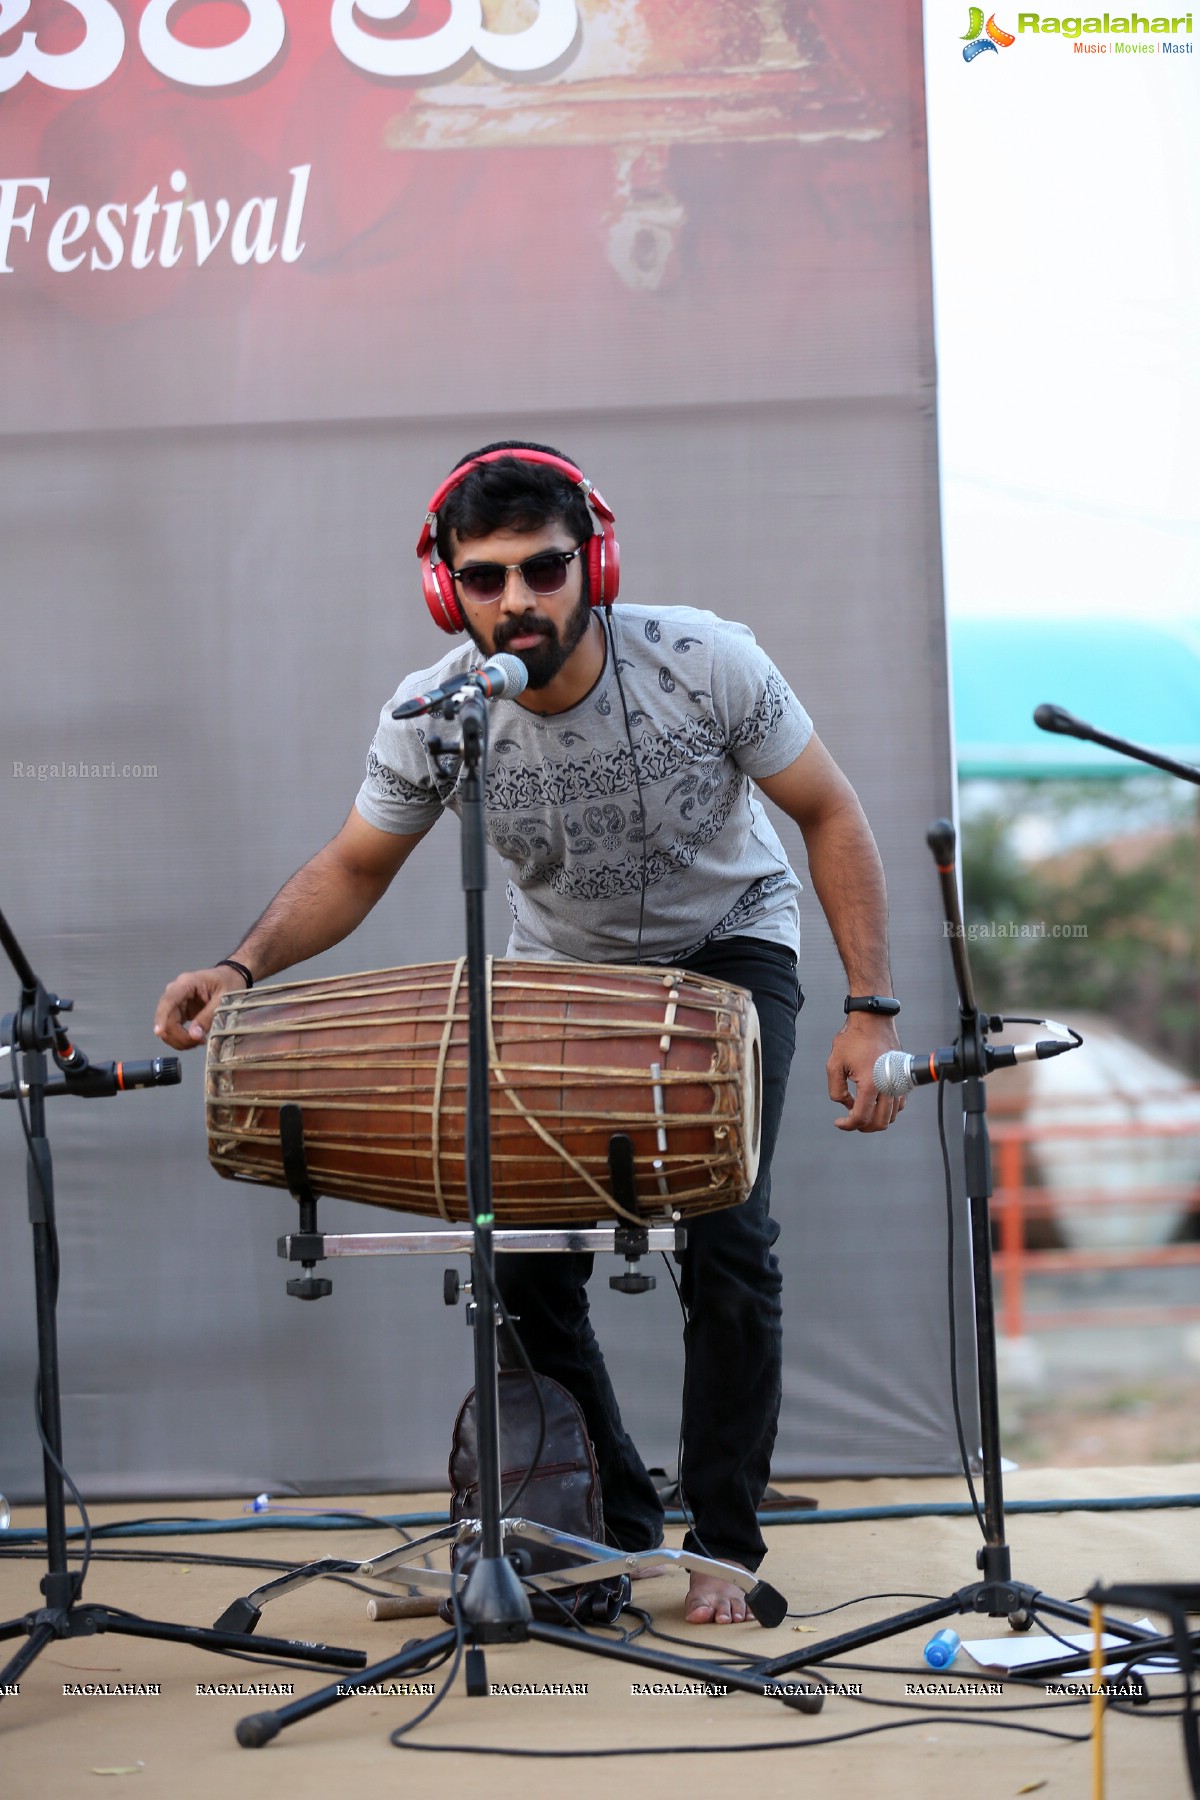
point(1058, 719)
point(897, 1073)
point(96, 1080)
point(501, 676)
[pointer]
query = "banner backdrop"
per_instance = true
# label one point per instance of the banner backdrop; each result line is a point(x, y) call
point(267, 270)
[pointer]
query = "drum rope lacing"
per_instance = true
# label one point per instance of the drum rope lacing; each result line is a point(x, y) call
point(517, 1028)
point(496, 1068)
point(435, 1111)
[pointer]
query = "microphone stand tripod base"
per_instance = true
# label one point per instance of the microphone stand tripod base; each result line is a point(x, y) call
point(494, 1603)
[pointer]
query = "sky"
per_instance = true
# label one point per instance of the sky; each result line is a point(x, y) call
point(1066, 237)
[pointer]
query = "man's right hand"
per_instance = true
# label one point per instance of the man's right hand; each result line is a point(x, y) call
point(321, 904)
point(186, 1009)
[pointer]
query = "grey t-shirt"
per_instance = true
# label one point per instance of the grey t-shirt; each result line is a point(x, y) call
point(708, 712)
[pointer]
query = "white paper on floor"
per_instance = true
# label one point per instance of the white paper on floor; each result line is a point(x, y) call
point(1001, 1655)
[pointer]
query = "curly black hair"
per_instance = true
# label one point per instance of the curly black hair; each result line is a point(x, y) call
point(511, 494)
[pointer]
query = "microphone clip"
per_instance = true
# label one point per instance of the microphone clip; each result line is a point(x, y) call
point(444, 742)
point(445, 700)
point(946, 1064)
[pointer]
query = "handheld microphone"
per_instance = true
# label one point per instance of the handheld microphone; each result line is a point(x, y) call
point(502, 675)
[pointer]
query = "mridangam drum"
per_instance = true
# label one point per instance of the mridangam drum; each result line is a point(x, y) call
point(378, 1064)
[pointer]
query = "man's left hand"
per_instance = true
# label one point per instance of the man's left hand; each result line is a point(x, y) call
point(851, 1066)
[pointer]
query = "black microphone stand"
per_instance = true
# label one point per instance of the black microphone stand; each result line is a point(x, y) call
point(34, 1032)
point(1064, 724)
point(1058, 720)
point(494, 1603)
point(997, 1595)
point(493, 1606)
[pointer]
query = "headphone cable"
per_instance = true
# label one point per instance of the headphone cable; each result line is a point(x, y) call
point(637, 780)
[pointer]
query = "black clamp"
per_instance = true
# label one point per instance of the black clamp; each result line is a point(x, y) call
point(629, 1241)
point(306, 1246)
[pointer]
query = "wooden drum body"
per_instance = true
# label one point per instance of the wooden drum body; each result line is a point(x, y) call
point(378, 1064)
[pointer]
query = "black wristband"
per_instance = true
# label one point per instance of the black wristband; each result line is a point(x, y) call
point(227, 962)
point(872, 1003)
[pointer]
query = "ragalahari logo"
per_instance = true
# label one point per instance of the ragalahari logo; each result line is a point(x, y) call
point(974, 40)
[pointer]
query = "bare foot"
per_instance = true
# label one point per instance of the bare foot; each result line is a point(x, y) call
point(713, 1602)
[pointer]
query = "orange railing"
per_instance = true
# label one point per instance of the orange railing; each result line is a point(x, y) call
point(1020, 1197)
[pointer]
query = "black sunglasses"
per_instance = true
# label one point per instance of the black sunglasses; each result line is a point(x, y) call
point(545, 573)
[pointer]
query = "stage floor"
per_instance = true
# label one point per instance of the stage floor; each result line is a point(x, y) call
point(957, 1740)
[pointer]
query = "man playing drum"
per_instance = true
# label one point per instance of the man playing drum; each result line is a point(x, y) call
point(621, 797)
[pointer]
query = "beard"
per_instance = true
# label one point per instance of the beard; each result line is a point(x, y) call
point(544, 660)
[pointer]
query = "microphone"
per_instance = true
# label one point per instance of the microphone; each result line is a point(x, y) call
point(1058, 719)
point(940, 838)
point(896, 1073)
point(501, 675)
point(119, 1077)
point(95, 1080)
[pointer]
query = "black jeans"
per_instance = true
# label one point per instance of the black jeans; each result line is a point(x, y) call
point(733, 1335)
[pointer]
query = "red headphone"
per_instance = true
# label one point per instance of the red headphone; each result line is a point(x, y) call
point(603, 551)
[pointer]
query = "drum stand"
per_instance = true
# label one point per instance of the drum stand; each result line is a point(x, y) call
point(36, 1031)
point(492, 1604)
